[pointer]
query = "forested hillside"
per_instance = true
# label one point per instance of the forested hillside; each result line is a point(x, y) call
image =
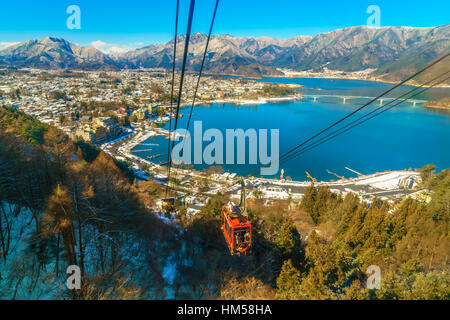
point(64, 202)
point(409, 241)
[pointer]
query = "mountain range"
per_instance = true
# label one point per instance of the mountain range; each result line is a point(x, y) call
point(389, 53)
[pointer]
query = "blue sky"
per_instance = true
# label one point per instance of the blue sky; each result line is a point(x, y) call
point(134, 23)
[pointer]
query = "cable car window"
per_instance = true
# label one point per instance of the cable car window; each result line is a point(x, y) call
point(242, 237)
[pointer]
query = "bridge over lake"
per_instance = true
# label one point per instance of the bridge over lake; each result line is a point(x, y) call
point(345, 98)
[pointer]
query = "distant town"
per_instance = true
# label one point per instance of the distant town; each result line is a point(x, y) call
point(97, 106)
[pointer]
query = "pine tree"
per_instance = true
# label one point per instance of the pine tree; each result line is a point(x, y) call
point(427, 171)
point(289, 242)
point(355, 292)
point(309, 200)
point(289, 283)
point(58, 219)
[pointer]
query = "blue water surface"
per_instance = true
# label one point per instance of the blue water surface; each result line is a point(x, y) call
point(401, 138)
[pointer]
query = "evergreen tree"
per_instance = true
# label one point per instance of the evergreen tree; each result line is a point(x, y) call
point(289, 283)
point(427, 171)
point(289, 242)
point(309, 200)
point(58, 219)
point(213, 208)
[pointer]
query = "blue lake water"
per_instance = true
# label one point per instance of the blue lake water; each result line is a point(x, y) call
point(401, 138)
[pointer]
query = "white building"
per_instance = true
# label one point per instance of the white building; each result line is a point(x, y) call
point(273, 192)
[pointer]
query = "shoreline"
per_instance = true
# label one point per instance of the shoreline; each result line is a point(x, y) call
point(440, 86)
point(314, 75)
point(261, 100)
point(437, 107)
point(126, 151)
point(385, 184)
point(349, 77)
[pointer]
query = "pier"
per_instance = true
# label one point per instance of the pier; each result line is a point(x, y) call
point(335, 174)
point(356, 172)
point(156, 156)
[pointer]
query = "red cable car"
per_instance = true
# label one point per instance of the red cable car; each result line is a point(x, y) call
point(236, 227)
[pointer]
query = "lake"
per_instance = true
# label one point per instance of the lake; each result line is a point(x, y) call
point(401, 138)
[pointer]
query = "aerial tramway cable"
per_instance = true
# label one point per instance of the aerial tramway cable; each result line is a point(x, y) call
point(365, 105)
point(169, 160)
point(173, 77)
point(183, 68)
point(198, 80)
point(379, 108)
point(203, 63)
point(356, 123)
point(288, 155)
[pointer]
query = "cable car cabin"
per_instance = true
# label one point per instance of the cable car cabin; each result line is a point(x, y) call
point(236, 229)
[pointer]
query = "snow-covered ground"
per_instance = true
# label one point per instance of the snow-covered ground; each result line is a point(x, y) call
point(387, 181)
point(23, 276)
